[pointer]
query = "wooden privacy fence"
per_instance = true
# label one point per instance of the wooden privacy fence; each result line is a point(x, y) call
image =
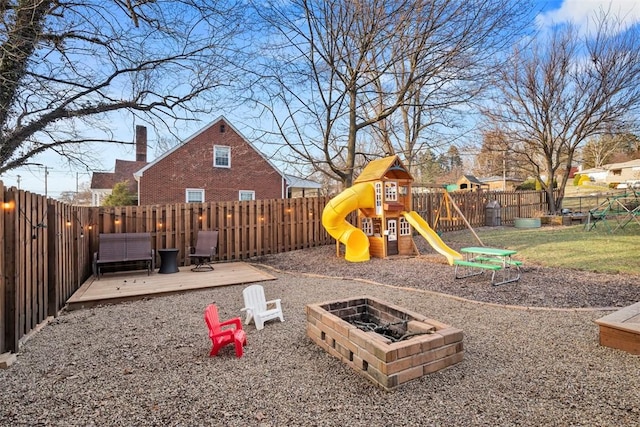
point(44, 260)
point(473, 205)
point(48, 246)
point(246, 229)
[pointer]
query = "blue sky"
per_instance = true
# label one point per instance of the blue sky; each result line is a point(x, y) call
point(60, 178)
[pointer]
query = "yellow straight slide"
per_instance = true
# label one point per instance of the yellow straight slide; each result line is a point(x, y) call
point(421, 226)
point(356, 243)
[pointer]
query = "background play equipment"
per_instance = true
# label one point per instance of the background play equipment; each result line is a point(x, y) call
point(421, 226)
point(333, 219)
point(446, 203)
point(623, 208)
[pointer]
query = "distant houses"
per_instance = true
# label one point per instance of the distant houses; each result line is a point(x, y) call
point(626, 173)
point(492, 183)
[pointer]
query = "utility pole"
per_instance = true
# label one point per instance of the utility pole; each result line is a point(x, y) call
point(46, 174)
point(504, 170)
point(19, 181)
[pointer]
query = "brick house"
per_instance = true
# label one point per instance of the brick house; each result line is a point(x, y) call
point(215, 164)
point(102, 183)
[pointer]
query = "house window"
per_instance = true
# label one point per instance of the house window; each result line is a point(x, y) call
point(405, 228)
point(367, 226)
point(221, 156)
point(247, 195)
point(223, 128)
point(194, 195)
point(391, 191)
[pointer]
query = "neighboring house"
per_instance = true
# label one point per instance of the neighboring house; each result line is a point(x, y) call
point(499, 183)
point(427, 188)
point(595, 174)
point(573, 171)
point(625, 172)
point(102, 183)
point(299, 187)
point(215, 164)
point(470, 183)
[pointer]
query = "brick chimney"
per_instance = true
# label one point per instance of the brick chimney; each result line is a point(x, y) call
point(141, 143)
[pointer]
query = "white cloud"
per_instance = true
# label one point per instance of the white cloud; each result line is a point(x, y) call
point(581, 12)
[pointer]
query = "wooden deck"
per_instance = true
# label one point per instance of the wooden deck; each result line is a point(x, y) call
point(128, 286)
point(621, 329)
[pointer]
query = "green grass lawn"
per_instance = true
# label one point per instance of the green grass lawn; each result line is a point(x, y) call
point(568, 247)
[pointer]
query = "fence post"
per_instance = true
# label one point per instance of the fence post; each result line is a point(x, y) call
point(53, 254)
point(11, 335)
point(5, 207)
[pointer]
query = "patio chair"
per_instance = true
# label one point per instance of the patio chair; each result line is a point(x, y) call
point(223, 333)
point(257, 307)
point(205, 250)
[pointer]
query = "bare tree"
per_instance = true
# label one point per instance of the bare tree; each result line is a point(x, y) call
point(607, 148)
point(338, 68)
point(598, 151)
point(65, 66)
point(565, 89)
point(495, 156)
point(82, 197)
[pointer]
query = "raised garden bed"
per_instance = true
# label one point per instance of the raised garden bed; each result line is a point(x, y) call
point(527, 222)
point(621, 329)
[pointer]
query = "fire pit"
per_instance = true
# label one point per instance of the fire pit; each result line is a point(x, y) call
point(383, 342)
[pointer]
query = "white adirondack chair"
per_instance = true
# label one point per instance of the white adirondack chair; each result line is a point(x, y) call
point(258, 309)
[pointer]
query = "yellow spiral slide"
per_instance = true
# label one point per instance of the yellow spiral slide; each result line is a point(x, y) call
point(356, 243)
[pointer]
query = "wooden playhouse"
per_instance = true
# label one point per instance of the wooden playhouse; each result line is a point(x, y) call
point(388, 231)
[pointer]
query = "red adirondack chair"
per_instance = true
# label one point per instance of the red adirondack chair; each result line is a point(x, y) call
point(220, 337)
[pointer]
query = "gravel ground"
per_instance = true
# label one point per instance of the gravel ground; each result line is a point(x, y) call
point(146, 363)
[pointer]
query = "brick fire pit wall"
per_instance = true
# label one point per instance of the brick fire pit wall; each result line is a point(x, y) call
point(388, 364)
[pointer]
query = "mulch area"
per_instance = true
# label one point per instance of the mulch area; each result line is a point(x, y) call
point(538, 287)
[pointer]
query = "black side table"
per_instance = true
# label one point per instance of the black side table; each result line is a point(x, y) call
point(168, 261)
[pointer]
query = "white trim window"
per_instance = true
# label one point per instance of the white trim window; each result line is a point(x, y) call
point(391, 191)
point(244, 195)
point(367, 226)
point(221, 156)
point(405, 227)
point(194, 195)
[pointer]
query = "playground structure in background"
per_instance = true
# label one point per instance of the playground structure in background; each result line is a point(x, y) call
point(622, 209)
point(382, 197)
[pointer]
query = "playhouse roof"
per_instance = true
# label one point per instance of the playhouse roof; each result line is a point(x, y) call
point(387, 167)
